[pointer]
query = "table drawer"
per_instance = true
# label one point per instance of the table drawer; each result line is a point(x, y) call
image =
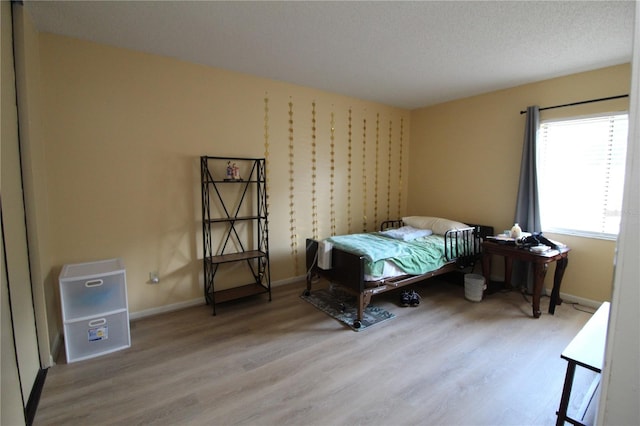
point(86, 297)
point(97, 336)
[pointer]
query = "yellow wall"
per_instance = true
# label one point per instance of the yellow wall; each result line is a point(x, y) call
point(124, 131)
point(465, 162)
point(32, 142)
point(11, 401)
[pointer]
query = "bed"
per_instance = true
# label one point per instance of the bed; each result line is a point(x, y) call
point(403, 252)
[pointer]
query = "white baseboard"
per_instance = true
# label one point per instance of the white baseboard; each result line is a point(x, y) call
point(56, 347)
point(199, 301)
point(286, 281)
point(569, 298)
point(195, 302)
point(166, 308)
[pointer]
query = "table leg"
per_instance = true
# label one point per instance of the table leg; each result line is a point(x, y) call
point(539, 272)
point(508, 267)
point(561, 265)
point(566, 393)
point(486, 267)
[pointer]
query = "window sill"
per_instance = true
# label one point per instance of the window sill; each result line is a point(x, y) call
point(583, 234)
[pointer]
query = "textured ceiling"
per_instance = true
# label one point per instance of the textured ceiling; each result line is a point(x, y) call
point(406, 54)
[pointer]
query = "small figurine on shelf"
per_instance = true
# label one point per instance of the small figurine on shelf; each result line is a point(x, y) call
point(236, 172)
point(233, 172)
point(229, 175)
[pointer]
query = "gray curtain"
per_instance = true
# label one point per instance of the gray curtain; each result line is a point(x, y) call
point(527, 205)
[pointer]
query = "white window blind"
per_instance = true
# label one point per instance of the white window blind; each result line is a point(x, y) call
point(581, 166)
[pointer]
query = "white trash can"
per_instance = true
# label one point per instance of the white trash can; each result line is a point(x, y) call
point(473, 287)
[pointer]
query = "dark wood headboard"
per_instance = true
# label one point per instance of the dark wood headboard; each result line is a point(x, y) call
point(483, 230)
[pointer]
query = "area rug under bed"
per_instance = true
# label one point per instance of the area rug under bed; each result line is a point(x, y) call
point(342, 306)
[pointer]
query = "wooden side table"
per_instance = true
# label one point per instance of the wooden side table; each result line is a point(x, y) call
point(540, 262)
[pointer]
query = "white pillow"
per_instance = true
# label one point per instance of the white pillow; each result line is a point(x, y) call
point(406, 233)
point(437, 224)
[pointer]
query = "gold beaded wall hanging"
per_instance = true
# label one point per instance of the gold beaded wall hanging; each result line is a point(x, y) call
point(400, 169)
point(364, 175)
point(292, 211)
point(266, 146)
point(375, 181)
point(332, 211)
point(314, 205)
point(389, 152)
point(349, 142)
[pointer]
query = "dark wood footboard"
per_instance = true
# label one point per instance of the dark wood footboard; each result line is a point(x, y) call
point(347, 269)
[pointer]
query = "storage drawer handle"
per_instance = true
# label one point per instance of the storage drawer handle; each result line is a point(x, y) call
point(93, 283)
point(97, 322)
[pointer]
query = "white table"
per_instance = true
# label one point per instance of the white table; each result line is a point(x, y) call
point(586, 350)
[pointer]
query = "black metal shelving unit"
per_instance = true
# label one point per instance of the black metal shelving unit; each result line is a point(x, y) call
point(235, 219)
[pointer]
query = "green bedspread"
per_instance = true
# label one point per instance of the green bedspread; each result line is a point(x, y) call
point(413, 257)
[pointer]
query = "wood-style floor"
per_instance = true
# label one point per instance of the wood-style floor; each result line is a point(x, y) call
point(446, 362)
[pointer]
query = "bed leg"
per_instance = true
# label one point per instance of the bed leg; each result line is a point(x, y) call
point(363, 301)
point(367, 300)
point(361, 305)
point(307, 292)
point(311, 263)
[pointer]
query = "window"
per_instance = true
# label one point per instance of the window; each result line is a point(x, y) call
point(581, 164)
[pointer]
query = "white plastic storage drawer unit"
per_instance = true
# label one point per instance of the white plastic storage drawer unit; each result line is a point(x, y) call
point(95, 312)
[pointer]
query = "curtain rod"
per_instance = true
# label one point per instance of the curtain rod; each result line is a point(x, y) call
point(581, 102)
